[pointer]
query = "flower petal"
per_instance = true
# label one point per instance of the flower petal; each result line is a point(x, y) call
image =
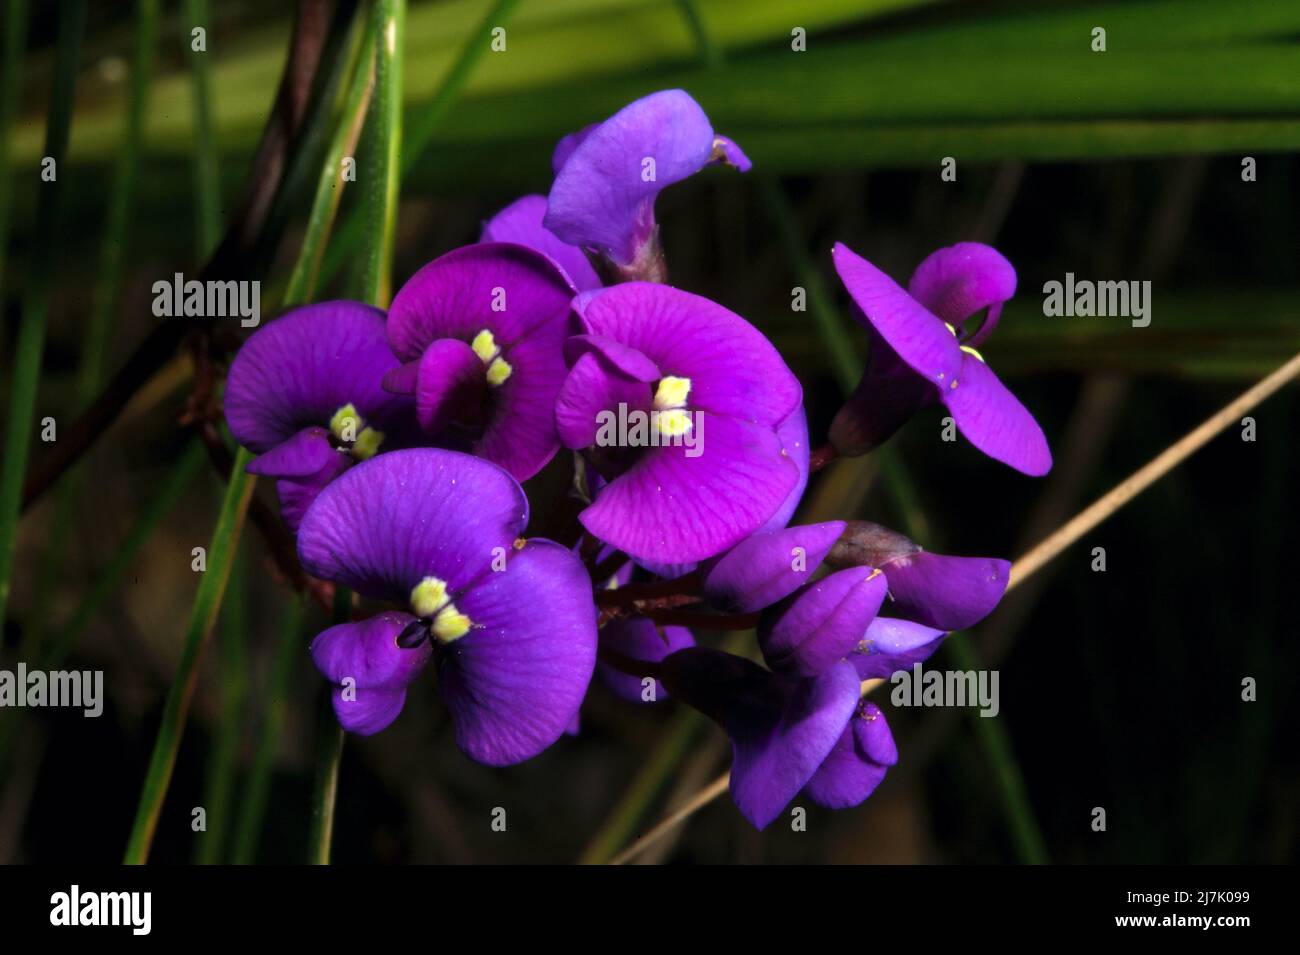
point(515, 682)
point(521, 223)
point(449, 384)
point(949, 593)
point(768, 566)
point(857, 764)
point(916, 335)
point(505, 288)
point(891, 645)
point(370, 672)
point(793, 433)
point(995, 421)
point(605, 186)
point(592, 390)
point(822, 622)
point(781, 728)
point(732, 368)
point(673, 508)
point(298, 370)
point(389, 522)
point(956, 282)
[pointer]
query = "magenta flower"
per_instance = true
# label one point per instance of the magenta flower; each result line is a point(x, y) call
point(508, 624)
point(608, 175)
point(922, 352)
point(788, 734)
point(479, 331)
point(304, 394)
point(708, 468)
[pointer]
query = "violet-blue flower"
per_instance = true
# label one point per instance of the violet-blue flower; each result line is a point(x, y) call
point(508, 624)
point(304, 394)
point(922, 351)
point(711, 469)
point(787, 733)
point(608, 175)
point(479, 331)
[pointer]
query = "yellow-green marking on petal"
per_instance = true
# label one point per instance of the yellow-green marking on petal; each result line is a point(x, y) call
point(498, 371)
point(485, 346)
point(672, 393)
point(346, 420)
point(429, 598)
point(367, 444)
point(489, 352)
point(970, 351)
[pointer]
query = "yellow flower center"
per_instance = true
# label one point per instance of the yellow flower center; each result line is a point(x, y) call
point(429, 598)
point(350, 429)
point(485, 346)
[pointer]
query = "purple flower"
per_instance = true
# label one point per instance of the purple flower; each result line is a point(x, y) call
point(509, 624)
point(787, 733)
point(480, 331)
point(699, 465)
point(947, 593)
point(921, 351)
point(608, 175)
point(304, 394)
point(768, 566)
point(521, 223)
point(817, 626)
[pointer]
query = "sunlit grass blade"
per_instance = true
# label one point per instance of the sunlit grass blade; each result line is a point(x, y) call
point(203, 615)
point(426, 120)
point(329, 186)
point(207, 177)
point(31, 331)
point(381, 168)
point(258, 786)
point(219, 787)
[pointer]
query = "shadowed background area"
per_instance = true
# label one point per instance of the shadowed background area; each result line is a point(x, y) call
point(1119, 689)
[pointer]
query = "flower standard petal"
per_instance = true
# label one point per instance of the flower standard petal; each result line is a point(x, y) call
point(956, 282)
point(521, 223)
point(388, 523)
point(732, 368)
point(515, 681)
point(671, 507)
point(298, 370)
point(608, 175)
point(506, 288)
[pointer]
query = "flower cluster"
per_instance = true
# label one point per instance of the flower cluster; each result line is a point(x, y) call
point(398, 441)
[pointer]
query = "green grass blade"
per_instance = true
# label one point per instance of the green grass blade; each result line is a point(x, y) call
point(381, 169)
point(203, 615)
point(207, 177)
point(31, 331)
point(329, 186)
